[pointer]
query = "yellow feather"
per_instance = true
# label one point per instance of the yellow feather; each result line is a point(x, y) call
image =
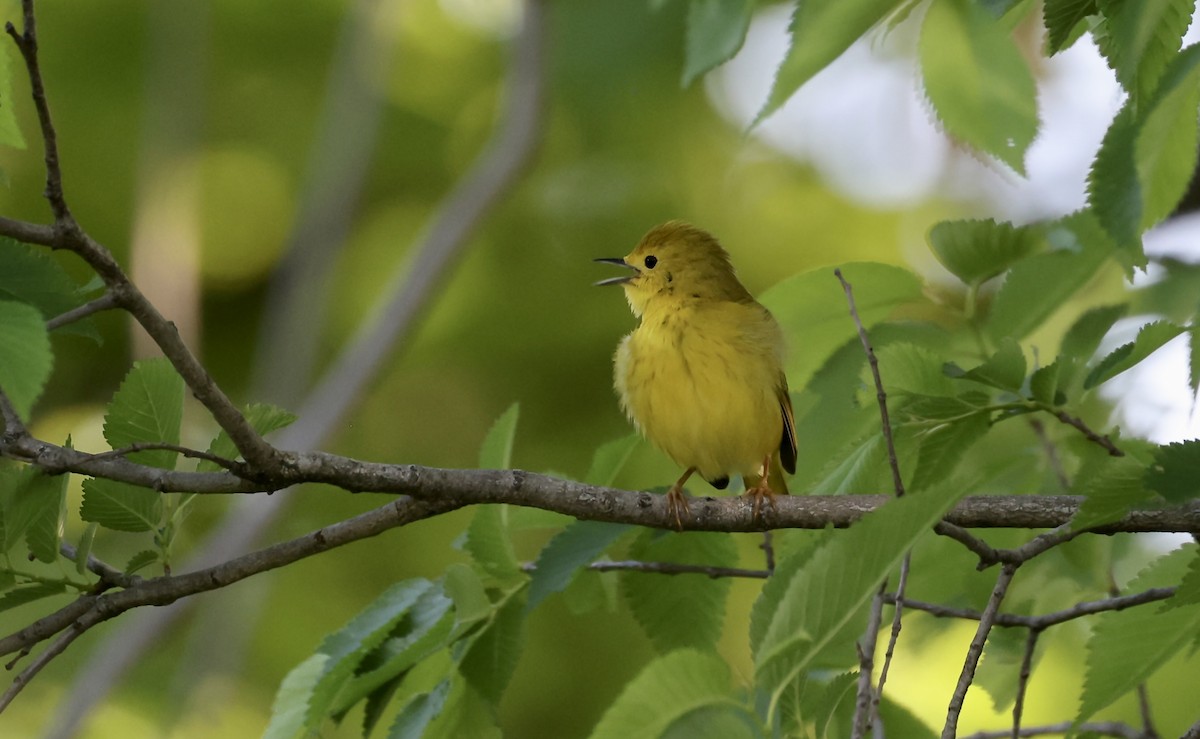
point(702, 374)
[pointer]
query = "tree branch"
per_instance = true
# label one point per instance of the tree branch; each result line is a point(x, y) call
point(967, 676)
point(107, 301)
point(590, 502)
point(90, 610)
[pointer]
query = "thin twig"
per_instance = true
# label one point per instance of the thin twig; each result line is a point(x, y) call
point(14, 429)
point(1148, 730)
point(107, 301)
point(1102, 728)
point(987, 554)
point(666, 568)
point(67, 234)
point(867, 703)
point(90, 610)
point(1091, 435)
point(768, 548)
point(880, 395)
point(108, 574)
point(1023, 676)
point(27, 43)
point(1045, 621)
point(1052, 458)
point(901, 586)
point(125, 451)
point(56, 648)
point(967, 676)
point(866, 645)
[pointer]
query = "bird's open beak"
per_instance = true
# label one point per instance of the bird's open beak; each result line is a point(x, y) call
point(615, 280)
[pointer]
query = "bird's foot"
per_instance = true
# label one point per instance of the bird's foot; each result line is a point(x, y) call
point(677, 505)
point(758, 494)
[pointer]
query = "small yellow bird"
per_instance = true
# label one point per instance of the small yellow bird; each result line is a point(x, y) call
point(702, 375)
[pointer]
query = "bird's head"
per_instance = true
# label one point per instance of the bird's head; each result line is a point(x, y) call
point(677, 263)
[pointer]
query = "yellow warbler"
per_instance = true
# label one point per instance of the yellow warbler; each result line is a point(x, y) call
point(702, 374)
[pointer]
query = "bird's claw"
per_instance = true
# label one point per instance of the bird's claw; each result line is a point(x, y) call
point(677, 506)
point(758, 494)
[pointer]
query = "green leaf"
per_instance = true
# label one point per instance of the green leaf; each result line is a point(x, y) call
point(1150, 339)
point(858, 470)
point(1036, 286)
point(346, 648)
point(1166, 142)
point(1188, 592)
point(471, 603)
point(147, 408)
point(909, 369)
point(1109, 491)
point(1194, 361)
point(1142, 38)
point(419, 712)
point(572, 549)
point(29, 593)
point(1044, 384)
point(839, 689)
point(120, 506)
point(716, 30)
point(85, 548)
point(610, 459)
point(489, 544)
point(1061, 18)
point(25, 358)
point(490, 660)
point(18, 507)
point(826, 595)
point(1004, 370)
point(897, 720)
point(978, 82)
point(1114, 190)
point(487, 539)
point(426, 628)
point(821, 30)
point(943, 447)
point(1127, 647)
point(665, 692)
point(465, 713)
point(977, 251)
point(262, 417)
point(924, 408)
point(10, 132)
point(46, 498)
point(29, 274)
point(290, 710)
point(679, 610)
point(496, 453)
point(1083, 338)
point(812, 308)
point(1175, 474)
point(141, 560)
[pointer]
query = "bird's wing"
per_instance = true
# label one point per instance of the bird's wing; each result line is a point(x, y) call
point(787, 444)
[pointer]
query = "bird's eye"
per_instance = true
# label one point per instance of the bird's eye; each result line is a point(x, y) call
point(651, 261)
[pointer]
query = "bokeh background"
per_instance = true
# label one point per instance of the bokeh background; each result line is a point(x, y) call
point(203, 140)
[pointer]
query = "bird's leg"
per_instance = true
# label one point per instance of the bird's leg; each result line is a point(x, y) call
point(677, 503)
point(761, 490)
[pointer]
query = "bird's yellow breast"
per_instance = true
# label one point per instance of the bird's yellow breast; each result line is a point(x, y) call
point(701, 382)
